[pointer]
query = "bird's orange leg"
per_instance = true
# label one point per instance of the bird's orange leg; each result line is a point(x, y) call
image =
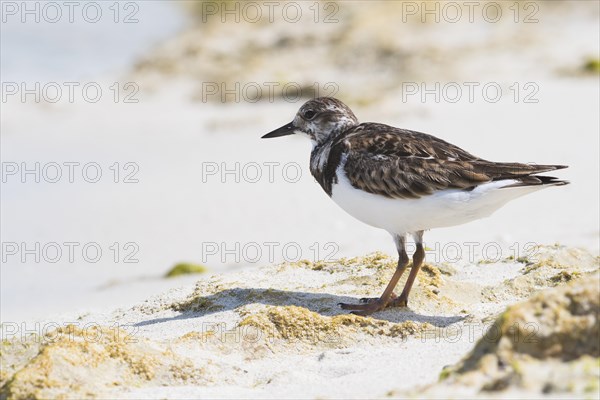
point(418, 258)
point(370, 306)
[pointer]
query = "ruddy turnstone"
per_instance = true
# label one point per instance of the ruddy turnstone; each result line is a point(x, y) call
point(404, 181)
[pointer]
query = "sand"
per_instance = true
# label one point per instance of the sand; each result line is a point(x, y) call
point(276, 331)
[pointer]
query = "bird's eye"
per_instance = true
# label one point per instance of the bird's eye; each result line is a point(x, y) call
point(309, 114)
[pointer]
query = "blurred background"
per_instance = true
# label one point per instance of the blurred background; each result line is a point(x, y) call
point(130, 132)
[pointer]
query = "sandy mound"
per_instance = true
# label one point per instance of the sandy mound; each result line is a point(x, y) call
point(81, 363)
point(548, 344)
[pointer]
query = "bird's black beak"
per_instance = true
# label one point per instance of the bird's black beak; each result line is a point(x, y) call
point(287, 129)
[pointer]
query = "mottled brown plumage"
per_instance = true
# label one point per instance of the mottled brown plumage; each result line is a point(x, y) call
point(399, 163)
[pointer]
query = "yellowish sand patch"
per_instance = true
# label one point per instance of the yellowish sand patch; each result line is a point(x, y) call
point(294, 324)
point(82, 363)
point(554, 333)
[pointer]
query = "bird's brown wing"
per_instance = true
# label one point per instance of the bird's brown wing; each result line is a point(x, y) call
point(398, 163)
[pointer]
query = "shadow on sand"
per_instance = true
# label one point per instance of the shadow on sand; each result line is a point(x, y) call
point(321, 303)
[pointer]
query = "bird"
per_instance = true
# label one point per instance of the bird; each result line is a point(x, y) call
point(404, 182)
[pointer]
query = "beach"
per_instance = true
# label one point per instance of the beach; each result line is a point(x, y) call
point(167, 166)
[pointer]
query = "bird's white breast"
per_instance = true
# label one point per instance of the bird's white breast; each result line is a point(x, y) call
point(443, 208)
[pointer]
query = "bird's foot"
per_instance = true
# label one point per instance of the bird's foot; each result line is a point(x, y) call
point(365, 308)
point(400, 301)
point(364, 300)
point(368, 305)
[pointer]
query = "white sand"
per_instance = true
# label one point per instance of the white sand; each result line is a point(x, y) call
point(293, 352)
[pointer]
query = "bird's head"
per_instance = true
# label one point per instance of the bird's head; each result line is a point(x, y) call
point(320, 119)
